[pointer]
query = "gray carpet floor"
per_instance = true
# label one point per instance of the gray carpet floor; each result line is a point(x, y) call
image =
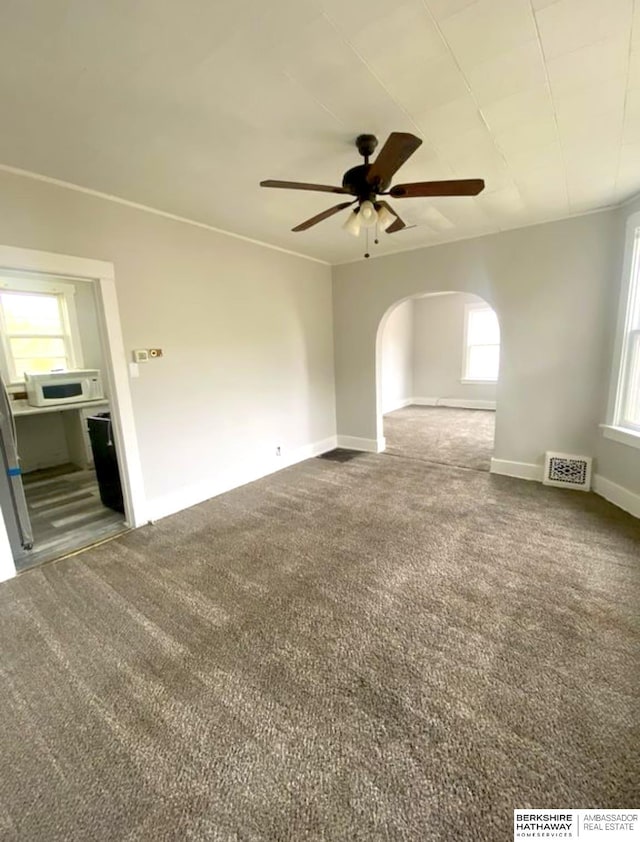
point(379, 649)
point(462, 437)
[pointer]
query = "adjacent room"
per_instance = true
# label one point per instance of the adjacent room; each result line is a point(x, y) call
point(440, 358)
point(320, 436)
point(64, 491)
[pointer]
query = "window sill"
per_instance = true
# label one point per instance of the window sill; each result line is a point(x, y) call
point(623, 435)
point(467, 382)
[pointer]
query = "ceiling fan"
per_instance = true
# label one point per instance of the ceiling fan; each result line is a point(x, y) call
point(368, 181)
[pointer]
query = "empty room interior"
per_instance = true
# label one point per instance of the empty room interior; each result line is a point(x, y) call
point(320, 420)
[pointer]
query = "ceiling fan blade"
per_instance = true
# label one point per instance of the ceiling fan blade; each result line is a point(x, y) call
point(299, 185)
point(399, 147)
point(324, 215)
point(398, 225)
point(462, 187)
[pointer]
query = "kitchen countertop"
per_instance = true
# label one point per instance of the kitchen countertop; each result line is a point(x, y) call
point(22, 407)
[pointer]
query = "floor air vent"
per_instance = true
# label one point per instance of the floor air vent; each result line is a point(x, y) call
point(340, 454)
point(567, 471)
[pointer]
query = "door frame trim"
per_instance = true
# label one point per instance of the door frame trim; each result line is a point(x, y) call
point(102, 275)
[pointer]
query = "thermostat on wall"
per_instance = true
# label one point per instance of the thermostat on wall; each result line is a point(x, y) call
point(141, 356)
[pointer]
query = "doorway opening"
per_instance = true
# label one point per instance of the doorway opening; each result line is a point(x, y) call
point(439, 368)
point(71, 473)
point(54, 416)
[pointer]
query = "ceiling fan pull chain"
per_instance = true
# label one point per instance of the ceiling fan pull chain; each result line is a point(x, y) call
point(367, 236)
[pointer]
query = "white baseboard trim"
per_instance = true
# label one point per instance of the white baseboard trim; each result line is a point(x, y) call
point(184, 498)
point(424, 401)
point(617, 494)
point(457, 403)
point(366, 445)
point(307, 451)
point(521, 470)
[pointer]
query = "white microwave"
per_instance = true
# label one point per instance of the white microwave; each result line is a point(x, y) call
point(59, 387)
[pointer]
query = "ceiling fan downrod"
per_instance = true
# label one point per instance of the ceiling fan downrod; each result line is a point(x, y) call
point(366, 145)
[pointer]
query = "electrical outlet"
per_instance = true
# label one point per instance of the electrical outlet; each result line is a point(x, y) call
point(278, 453)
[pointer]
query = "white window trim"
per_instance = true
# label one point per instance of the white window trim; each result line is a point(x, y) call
point(621, 434)
point(465, 379)
point(613, 428)
point(22, 282)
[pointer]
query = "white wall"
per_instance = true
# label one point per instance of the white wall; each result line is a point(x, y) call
point(550, 286)
point(438, 349)
point(397, 357)
point(246, 333)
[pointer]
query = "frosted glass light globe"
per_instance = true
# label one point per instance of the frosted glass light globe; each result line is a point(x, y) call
point(368, 214)
point(353, 223)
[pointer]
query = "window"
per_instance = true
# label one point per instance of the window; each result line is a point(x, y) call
point(38, 327)
point(624, 421)
point(481, 358)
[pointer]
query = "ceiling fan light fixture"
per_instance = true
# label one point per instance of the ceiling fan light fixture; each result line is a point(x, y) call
point(353, 223)
point(385, 218)
point(368, 214)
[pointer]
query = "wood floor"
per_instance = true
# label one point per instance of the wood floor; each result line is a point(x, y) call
point(66, 513)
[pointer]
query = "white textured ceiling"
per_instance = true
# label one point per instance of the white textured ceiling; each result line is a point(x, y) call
point(185, 106)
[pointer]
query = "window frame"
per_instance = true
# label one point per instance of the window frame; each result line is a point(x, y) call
point(617, 427)
point(631, 352)
point(465, 379)
point(71, 337)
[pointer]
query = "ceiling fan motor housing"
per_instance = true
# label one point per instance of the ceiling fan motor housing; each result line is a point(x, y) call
point(355, 181)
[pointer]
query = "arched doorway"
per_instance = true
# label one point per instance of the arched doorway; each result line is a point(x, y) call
point(437, 359)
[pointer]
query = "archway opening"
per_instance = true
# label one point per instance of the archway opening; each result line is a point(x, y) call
point(438, 360)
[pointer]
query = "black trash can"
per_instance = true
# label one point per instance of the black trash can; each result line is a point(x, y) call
point(105, 460)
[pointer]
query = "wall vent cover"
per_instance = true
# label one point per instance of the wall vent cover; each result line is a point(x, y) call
point(564, 470)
